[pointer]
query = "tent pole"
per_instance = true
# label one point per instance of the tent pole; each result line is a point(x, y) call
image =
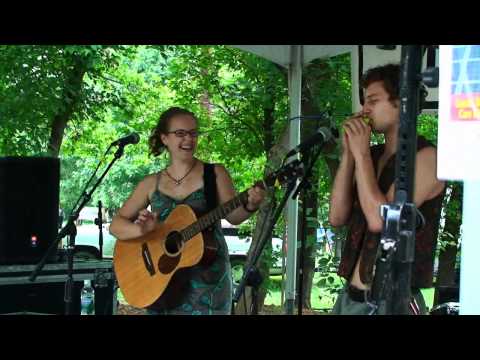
point(469, 284)
point(295, 89)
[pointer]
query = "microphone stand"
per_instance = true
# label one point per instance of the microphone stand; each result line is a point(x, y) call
point(304, 186)
point(251, 275)
point(70, 229)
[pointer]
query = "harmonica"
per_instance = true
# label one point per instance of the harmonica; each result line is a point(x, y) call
point(366, 119)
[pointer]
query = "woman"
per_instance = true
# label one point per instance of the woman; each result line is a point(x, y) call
point(204, 289)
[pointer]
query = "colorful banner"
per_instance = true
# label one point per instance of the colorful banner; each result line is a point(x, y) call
point(459, 113)
point(465, 86)
point(465, 107)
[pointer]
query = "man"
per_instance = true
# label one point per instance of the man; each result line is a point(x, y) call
point(365, 180)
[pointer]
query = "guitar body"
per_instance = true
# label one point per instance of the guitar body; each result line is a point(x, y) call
point(144, 266)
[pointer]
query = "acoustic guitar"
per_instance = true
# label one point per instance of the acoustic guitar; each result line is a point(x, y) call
point(144, 266)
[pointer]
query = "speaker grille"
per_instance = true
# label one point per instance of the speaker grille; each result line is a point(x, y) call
point(29, 202)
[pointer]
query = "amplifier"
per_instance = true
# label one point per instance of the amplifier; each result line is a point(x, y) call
point(46, 294)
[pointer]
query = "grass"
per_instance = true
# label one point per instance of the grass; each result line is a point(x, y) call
point(320, 299)
point(428, 295)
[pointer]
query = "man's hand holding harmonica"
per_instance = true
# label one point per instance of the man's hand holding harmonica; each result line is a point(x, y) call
point(357, 134)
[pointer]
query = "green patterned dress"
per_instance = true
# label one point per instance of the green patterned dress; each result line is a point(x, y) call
point(209, 289)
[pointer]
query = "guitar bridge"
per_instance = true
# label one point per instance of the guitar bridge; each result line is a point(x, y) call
point(147, 259)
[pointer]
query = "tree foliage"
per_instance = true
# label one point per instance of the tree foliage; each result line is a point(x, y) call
point(35, 87)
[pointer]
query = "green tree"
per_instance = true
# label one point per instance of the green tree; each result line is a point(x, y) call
point(144, 97)
point(449, 236)
point(46, 87)
point(326, 90)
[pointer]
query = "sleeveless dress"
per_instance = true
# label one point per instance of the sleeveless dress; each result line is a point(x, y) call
point(209, 289)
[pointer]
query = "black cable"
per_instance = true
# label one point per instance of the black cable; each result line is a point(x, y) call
point(313, 117)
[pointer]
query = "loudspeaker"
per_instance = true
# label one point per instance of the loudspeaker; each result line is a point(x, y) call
point(29, 201)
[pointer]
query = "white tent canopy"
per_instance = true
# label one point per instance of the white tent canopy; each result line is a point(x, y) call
point(281, 54)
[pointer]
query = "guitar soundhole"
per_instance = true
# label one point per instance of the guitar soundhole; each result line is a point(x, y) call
point(173, 243)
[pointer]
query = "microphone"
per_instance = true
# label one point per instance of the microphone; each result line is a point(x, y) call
point(323, 135)
point(133, 138)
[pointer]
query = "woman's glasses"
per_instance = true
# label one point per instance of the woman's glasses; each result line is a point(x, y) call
point(182, 133)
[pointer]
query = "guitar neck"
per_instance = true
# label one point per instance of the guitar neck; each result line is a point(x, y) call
point(218, 213)
point(290, 171)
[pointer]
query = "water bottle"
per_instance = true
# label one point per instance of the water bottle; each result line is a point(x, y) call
point(87, 298)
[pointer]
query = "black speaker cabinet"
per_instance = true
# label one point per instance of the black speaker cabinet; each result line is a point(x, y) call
point(29, 200)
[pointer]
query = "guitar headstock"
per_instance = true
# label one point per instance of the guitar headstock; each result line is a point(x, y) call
point(288, 172)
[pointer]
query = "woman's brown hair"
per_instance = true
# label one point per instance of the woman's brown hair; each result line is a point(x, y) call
point(155, 142)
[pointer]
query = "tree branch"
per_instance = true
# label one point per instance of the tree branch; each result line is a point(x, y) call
point(231, 113)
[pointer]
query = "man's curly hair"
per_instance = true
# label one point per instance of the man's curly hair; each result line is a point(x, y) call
point(389, 74)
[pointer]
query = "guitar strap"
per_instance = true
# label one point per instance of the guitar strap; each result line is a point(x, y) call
point(210, 184)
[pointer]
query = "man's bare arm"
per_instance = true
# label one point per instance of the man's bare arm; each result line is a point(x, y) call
point(342, 192)
point(427, 186)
